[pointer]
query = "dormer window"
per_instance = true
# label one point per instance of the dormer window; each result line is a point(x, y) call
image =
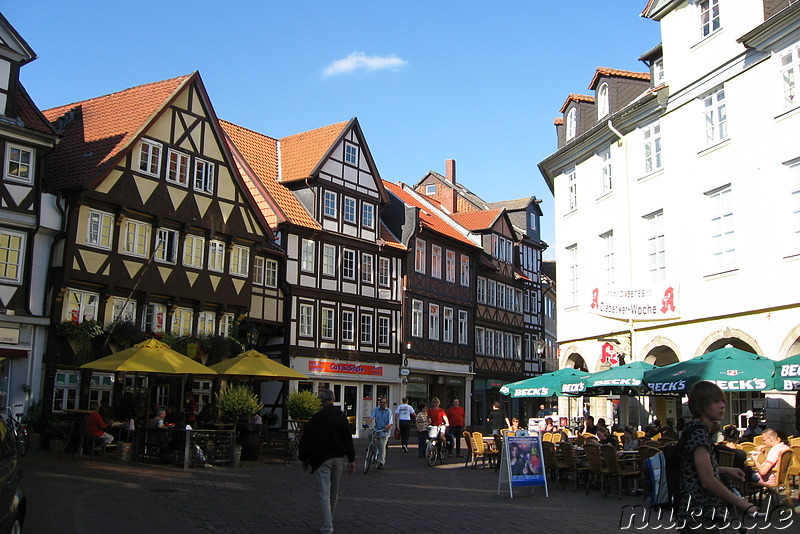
point(602, 101)
point(430, 189)
point(572, 123)
point(658, 72)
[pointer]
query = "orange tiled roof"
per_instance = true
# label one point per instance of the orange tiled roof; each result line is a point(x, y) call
point(603, 71)
point(428, 220)
point(558, 121)
point(301, 153)
point(477, 220)
point(102, 128)
point(30, 115)
point(261, 154)
point(390, 239)
point(576, 98)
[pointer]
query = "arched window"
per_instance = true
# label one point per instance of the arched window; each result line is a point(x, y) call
point(602, 101)
point(572, 123)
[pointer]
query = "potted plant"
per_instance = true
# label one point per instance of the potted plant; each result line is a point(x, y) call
point(57, 432)
point(37, 425)
point(81, 336)
point(238, 405)
point(301, 405)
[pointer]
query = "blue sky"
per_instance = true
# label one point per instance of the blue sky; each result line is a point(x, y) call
point(476, 82)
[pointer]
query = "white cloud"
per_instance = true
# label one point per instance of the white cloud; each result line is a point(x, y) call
point(359, 60)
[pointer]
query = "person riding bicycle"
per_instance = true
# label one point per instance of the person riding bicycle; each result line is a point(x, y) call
point(381, 416)
point(439, 418)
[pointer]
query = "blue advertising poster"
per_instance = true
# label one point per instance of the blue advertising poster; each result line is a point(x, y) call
point(523, 462)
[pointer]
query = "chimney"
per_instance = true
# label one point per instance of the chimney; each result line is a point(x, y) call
point(449, 198)
point(450, 170)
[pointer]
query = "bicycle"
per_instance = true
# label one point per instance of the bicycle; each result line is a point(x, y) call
point(371, 455)
point(435, 448)
point(19, 429)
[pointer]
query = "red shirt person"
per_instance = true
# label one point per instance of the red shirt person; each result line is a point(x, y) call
point(455, 414)
point(96, 426)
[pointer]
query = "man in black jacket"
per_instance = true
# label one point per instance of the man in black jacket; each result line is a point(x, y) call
point(325, 442)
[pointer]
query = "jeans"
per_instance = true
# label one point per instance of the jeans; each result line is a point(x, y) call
point(456, 432)
point(328, 475)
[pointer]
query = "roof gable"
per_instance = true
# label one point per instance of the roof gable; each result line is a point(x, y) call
point(576, 98)
point(478, 220)
point(606, 72)
point(301, 154)
point(12, 45)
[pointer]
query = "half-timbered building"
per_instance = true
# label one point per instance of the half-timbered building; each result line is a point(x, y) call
point(29, 222)
point(161, 233)
point(323, 196)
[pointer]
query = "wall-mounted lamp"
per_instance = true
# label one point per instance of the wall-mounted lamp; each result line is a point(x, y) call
point(252, 336)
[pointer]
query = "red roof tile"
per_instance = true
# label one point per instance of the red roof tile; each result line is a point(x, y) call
point(389, 239)
point(102, 128)
point(558, 121)
point(603, 71)
point(301, 153)
point(576, 98)
point(477, 220)
point(30, 115)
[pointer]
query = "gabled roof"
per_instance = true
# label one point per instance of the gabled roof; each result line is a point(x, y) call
point(389, 239)
point(427, 217)
point(576, 98)
point(477, 220)
point(99, 129)
point(603, 71)
point(13, 42)
point(513, 205)
point(466, 194)
point(30, 115)
point(558, 121)
point(302, 153)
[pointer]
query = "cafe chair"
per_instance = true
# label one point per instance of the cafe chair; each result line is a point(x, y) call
point(597, 473)
point(494, 455)
point(616, 469)
point(781, 484)
point(478, 449)
point(747, 446)
point(794, 468)
point(758, 440)
point(725, 458)
point(571, 465)
point(468, 440)
point(557, 437)
point(547, 437)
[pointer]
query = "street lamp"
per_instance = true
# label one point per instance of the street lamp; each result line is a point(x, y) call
point(252, 336)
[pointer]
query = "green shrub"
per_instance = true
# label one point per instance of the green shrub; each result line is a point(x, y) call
point(302, 404)
point(237, 404)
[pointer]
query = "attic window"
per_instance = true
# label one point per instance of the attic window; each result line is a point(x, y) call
point(572, 123)
point(430, 189)
point(602, 101)
point(351, 154)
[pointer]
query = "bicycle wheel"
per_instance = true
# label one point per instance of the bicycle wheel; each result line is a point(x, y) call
point(22, 440)
point(430, 454)
point(369, 456)
point(441, 453)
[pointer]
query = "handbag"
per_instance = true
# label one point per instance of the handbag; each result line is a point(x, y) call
point(396, 433)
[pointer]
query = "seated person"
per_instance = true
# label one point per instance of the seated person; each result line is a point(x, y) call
point(549, 426)
point(604, 438)
point(631, 439)
point(96, 426)
point(588, 426)
point(601, 423)
point(730, 437)
point(514, 424)
point(752, 429)
point(158, 421)
point(764, 474)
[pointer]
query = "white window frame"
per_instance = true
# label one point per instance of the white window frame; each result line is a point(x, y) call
point(572, 190)
point(166, 245)
point(436, 261)
point(488, 342)
point(351, 154)
point(605, 167)
point(271, 273)
point(307, 255)
point(430, 189)
point(789, 70)
point(572, 275)
point(384, 322)
point(448, 323)
point(367, 215)
point(330, 204)
point(305, 326)
point(608, 257)
point(80, 306)
point(12, 255)
point(709, 17)
point(20, 162)
point(348, 264)
point(570, 124)
point(137, 238)
point(349, 210)
point(658, 72)
point(722, 242)
point(182, 319)
point(491, 290)
point(154, 318)
point(204, 176)
point(240, 261)
point(149, 160)
point(479, 336)
point(194, 249)
point(66, 390)
point(498, 344)
point(715, 116)
point(419, 255)
point(603, 104)
point(465, 270)
point(101, 387)
point(226, 324)
point(651, 147)
point(433, 321)
point(328, 259)
point(384, 272)
point(463, 327)
point(416, 318)
point(216, 256)
point(481, 290)
point(794, 203)
point(367, 268)
point(178, 167)
point(126, 314)
point(501, 295)
point(258, 270)
point(328, 323)
point(517, 347)
point(656, 246)
point(450, 266)
point(100, 229)
point(366, 328)
point(518, 300)
point(206, 323)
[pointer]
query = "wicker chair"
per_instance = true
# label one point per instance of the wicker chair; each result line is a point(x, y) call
point(571, 464)
point(468, 440)
point(596, 470)
point(781, 484)
point(615, 469)
point(556, 467)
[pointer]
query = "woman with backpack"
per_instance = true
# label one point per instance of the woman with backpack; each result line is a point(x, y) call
point(703, 497)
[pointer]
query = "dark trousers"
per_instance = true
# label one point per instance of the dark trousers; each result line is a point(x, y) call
point(457, 432)
point(405, 432)
point(422, 440)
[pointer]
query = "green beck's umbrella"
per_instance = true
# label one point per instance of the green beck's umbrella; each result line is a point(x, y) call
point(730, 368)
point(542, 386)
point(621, 380)
point(787, 374)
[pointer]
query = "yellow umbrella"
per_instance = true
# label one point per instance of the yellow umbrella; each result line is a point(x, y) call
point(253, 363)
point(151, 356)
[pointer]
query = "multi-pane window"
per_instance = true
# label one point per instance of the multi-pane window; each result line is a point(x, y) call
point(463, 327)
point(137, 238)
point(166, 245)
point(101, 387)
point(658, 72)
point(608, 257)
point(489, 342)
point(509, 345)
point(419, 255)
point(12, 250)
point(464, 270)
point(271, 273)
point(517, 347)
point(498, 345)
point(306, 326)
point(307, 255)
point(416, 318)
point(178, 167)
point(203, 176)
point(572, 123)
point(709, 17)
point(367, 215)
point(794, 191)
point(19, 163)
point(716, 119)
point(656, 248)
point(383, 330)
point(518, 300)
point(100, 229)
point(226, 324)
point(510, 302)
point(193, 250)
point(65, 390)
point(602, 101)
point(153, 319)
point(123, 310)
point(350, 210)
point(652, 147)
point(491, 288)
point(349, 264)
point(479, 349)
point(240, 260)
point(327, 323)
point(605, 166)
point(572, 184)
point(367, 268)
point(329, 209)
point(351, 154)
point(328, 259)
point(149, 157)
point(450, 266)
point(433, 321)
point(502, 248)
point(436, 261)
point(205, 323)
point(383, 271)
point(501, 295)
point(722, 246)
point(481, 290)
point(790, 73)
point(447, 325)
point(182, 322)
point(366, 329)
point(216, 256)
point(572, 275)
point(81, 306)
point(258, 270)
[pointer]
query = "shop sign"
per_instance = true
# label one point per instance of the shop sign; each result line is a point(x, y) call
point(645, 303)
point(493, 383)
point(9, 336)
point(454, 381)
point(418, 379)
point(345, 368)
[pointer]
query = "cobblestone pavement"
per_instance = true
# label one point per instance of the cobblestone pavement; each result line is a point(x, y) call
point(81, 495)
